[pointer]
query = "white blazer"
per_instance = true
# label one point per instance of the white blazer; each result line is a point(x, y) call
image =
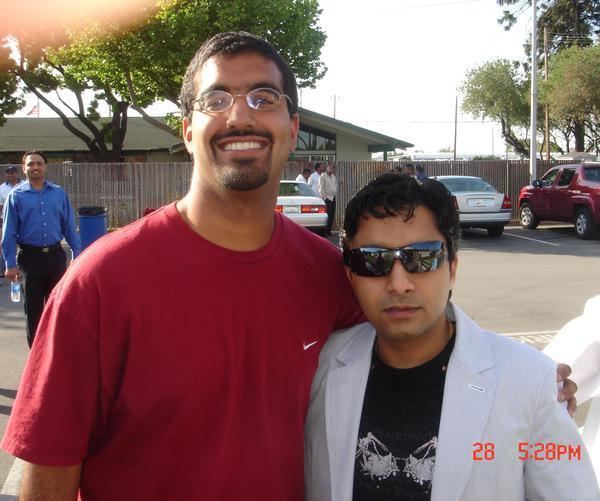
point(497, 391)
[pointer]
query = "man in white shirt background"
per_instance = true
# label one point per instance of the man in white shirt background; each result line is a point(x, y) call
point(313, 180)
point(303, 176)
point(327, 191)
point(12, 181)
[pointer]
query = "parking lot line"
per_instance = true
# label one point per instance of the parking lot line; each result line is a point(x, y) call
point(532, 239)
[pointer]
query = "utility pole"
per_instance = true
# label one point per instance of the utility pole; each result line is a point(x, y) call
point(455, 123)
point(335, 98)
point(533, 115)
point(546, 112)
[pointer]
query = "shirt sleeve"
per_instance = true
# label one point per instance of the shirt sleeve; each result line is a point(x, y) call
point(69, 229)
point(58, 403)
point(10, 227)
point(322, 186)
point(552, 477)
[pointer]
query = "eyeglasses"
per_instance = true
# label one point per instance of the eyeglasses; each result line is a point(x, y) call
point(262, 99)
point(419, 257)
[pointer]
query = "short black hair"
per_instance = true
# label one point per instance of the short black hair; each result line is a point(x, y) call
point(306, 169)
point(394, 194)
point(232, 43)
point(317, 165)
point(34, 152)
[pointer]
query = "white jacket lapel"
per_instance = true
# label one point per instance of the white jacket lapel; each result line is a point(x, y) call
point(345, 390)
point(468, 397)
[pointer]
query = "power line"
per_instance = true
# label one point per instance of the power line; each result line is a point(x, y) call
point(420, 6)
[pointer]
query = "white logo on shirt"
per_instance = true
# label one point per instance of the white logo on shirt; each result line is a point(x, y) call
point(307, 346)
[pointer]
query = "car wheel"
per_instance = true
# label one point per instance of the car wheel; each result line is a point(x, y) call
point(527, 217)
point(495, 231)
point(584, 226)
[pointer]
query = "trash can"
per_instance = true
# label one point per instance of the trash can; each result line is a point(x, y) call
point(92, 224)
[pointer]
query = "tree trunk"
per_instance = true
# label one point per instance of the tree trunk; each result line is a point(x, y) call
point(579, 133)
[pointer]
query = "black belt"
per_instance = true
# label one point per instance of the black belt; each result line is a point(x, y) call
point(42, 250)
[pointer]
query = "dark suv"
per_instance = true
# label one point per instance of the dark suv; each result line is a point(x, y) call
point(568, 193)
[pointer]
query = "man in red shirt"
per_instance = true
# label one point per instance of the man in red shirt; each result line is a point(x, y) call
point(191, 383)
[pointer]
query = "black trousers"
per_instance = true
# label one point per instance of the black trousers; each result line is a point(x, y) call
point(40, 272)
point(330, 204)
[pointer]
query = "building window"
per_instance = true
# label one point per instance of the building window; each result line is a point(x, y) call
point(311, 140)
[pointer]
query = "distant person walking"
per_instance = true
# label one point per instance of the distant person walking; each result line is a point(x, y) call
point(328, 191)
point(409, 170)
point(12, 181)
point(304, 176)
point(313, 180)
point(420, 175)
point(37, 215)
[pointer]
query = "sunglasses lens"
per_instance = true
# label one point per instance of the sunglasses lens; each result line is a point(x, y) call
point(378, 262)
point(421, 261)
point(370, 263)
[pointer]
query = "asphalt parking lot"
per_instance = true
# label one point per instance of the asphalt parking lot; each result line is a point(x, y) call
point(527, 283)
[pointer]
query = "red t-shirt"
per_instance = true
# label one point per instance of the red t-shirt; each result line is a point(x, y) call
point(176, 369)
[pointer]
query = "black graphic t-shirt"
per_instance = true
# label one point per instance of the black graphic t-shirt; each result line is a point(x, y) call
point(397, 437)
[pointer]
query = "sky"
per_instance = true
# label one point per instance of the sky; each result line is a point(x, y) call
point(396, 66)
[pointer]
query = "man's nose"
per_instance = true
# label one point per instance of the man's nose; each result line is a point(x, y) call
point(240, 115)
point(399, 280)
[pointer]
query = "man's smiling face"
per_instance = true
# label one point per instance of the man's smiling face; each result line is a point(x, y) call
point(240, 149)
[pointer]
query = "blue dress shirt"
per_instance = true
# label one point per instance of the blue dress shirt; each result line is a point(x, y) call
point(40, 218)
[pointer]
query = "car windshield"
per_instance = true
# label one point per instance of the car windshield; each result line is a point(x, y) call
point(592, 174)
point(464, 184)
point(295, 190)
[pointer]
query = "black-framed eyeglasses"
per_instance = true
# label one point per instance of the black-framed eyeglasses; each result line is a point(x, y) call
point(261, 99)
point(419, 257)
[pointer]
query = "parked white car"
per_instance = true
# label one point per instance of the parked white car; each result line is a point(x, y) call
point(302, 205)
point(479, 203)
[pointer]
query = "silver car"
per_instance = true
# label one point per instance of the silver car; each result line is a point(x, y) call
point(479, 203)
point(302, 205)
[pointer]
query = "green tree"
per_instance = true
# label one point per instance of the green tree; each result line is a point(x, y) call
point(572, 91)
point(497, 91)
point(569, 22)
point(10, 102)
point(135, 67)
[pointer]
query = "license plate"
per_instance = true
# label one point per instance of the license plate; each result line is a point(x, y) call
point(291, 209)
point(480, 202)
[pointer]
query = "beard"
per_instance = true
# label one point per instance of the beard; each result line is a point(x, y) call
point(243, 175)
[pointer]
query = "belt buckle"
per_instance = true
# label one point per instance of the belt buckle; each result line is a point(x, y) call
point(45, 250)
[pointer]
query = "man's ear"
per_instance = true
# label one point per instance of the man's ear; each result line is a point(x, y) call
point(453, 268)
point(295, 125)
point(348, 273)
point(187, 134)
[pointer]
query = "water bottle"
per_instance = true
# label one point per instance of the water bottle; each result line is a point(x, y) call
point(15, 292)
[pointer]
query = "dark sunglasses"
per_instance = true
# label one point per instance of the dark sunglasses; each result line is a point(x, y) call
point(419, 257)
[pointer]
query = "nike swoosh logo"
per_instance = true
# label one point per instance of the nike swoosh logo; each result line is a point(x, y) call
point(307, 346)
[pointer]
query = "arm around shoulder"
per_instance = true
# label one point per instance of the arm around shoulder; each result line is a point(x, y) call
point(558, 465)
point(50, 483)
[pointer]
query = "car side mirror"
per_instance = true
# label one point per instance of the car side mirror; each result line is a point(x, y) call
point(537, 184)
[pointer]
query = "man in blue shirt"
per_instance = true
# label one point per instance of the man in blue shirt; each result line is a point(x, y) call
point(37, 215)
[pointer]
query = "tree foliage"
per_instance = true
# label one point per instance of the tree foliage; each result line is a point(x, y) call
point(498, 91)
point(135, 67)
point(568, 23)
point(571, 22)
point(572, 91)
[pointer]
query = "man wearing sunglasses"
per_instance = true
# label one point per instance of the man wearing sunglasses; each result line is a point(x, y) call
point(420, 403)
